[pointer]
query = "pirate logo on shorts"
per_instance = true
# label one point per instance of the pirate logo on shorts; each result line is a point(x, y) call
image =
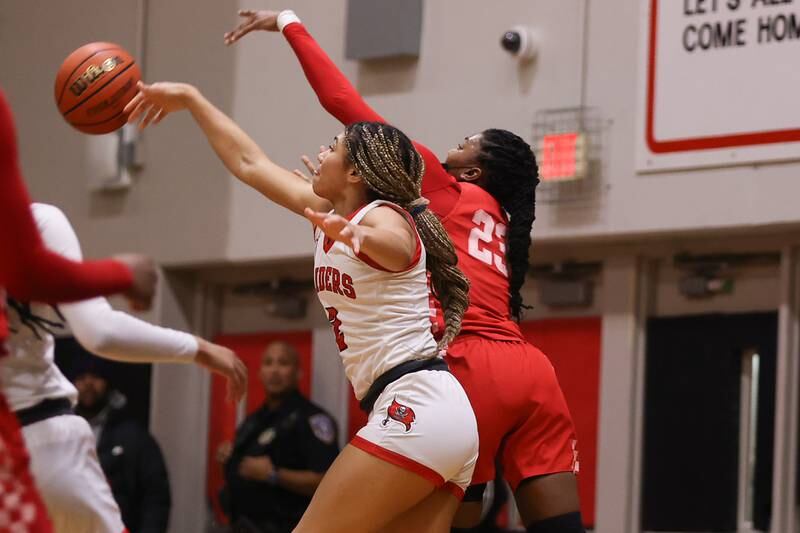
point(401, 413)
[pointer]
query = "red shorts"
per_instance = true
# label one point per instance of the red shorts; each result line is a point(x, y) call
point(523, 419)
point(21, 507)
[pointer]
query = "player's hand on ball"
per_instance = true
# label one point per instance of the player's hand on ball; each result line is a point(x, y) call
point(252, 21)
point(256, 468)
point(223, 361)
point(154, 102)
point(337, 227)
point(145, 277)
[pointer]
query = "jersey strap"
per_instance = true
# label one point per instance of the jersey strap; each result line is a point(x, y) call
point(359, 215)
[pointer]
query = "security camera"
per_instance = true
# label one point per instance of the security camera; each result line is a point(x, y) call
point(520, 42)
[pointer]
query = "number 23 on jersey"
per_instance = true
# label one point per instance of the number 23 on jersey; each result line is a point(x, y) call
point(482, 240)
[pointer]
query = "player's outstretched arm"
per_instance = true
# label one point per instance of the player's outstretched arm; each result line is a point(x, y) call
point(32, 273)
point(384, 236)
point(237, 151)
point(339, 97)
point(334, 91)
point(116, 335)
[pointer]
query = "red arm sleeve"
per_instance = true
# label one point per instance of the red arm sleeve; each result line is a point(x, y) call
point(439, 187)
point(335, 92)
point(27, 269)
point(339, 98)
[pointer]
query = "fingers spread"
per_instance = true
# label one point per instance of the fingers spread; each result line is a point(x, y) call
point(309, 165)
point(148, 118)
point(316, 218)
point(134, 103)
point(299, 174)
point(137, 113)
point(160, 116)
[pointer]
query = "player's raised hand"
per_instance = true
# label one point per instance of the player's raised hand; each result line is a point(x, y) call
point(337, 227)
point(153, 102)
point(264, 20)
point(221, 360)
point(145, 277)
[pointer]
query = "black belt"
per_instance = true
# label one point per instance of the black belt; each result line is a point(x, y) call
point(44, 410)
point(393, 374)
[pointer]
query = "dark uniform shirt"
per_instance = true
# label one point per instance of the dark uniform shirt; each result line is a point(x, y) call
point(134, 467)
point(297, 435)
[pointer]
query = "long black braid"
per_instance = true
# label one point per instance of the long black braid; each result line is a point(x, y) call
point(511, 176)
point(34, 322)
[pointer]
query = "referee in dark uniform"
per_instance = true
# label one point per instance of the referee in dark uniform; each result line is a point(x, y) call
point(280, 452)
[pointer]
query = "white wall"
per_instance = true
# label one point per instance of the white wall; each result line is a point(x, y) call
point(178, 207)
point(462, 83)
point(692, 200)
point(184, 210)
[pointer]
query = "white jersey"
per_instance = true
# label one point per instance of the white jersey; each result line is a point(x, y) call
point(380, 318)
point(28, 373)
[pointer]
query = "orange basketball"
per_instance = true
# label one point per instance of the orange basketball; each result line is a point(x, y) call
point(94, 84)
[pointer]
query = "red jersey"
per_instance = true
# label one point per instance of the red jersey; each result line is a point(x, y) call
point(477, 226)
point(472, 217)
point(28, 270)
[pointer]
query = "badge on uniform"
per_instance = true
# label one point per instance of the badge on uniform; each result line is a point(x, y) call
point(267, 436)
point(323, 428)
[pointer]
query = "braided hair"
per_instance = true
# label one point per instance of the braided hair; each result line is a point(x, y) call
point(511, 176)
point(392, 169)
point(37, 324)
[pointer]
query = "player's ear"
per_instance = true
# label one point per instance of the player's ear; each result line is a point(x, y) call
point(471, 174)
point(353, 176)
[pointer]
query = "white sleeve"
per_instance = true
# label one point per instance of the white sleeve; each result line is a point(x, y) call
point(285, 18)
point(96, 325)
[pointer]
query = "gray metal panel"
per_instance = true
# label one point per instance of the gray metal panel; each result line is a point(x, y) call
point(383, 28)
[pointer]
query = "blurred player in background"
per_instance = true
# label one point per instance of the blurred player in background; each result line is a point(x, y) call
point(61, 444)
point(30, 272)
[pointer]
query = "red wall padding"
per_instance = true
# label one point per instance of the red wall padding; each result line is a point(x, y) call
point(222, 413)
point(573, 346)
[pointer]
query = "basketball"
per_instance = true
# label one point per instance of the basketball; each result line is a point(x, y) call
point(94, 84)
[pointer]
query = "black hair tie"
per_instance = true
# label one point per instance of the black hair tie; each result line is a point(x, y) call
point(418, 206)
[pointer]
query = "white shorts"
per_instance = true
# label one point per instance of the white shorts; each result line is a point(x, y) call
point(66, 469)
point(423, 422)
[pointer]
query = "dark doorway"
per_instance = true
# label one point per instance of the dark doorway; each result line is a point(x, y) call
point(692, 426)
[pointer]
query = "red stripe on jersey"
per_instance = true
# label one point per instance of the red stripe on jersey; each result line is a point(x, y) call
point(328, 242)
point(417, 252)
